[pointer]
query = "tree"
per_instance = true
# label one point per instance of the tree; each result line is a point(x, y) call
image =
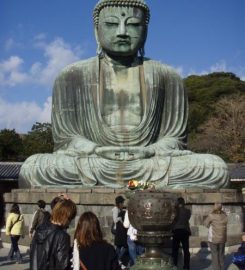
point(205, 91)
point(11, 146)
point(38, 140)
point(224, 132)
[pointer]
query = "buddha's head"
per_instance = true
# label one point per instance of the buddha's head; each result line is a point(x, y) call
point(121, 26)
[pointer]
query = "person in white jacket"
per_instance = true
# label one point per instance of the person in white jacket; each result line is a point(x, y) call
point(134, 248)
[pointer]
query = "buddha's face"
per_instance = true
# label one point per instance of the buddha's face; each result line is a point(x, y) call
point(122, 30)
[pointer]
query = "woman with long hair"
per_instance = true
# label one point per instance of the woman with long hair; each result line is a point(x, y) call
point(15, 229)
point(91, 251)
point(50, 247)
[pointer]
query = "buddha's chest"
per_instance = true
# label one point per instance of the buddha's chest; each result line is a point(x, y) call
point(121, 98)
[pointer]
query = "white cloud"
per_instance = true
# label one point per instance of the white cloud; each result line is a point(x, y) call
point(10, 72)
point(56, 55)
point(219, 66)
point(45, 115)
point(22, 115)
point(180, 70)
point(13, 73)
point(13, 63)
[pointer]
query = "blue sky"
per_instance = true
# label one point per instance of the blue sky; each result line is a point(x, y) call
point(38, 38)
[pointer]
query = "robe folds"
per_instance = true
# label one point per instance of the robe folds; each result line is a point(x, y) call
point(79, 128)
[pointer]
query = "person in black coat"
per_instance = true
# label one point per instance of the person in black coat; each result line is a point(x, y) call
point(91, 252)
point(50, 246)
point(181, 233)
point(120, 241)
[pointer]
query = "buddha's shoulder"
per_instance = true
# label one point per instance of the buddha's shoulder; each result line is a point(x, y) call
point(160, 67)
point(79, 66)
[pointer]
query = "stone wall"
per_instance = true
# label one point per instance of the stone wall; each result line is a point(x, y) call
point(101, 201)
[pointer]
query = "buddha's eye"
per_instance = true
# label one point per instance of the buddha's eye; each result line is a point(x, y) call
point(111, 21)
point(111, 24)
point(134, 24)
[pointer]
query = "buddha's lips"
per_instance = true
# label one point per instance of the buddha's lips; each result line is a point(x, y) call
point(122, 41)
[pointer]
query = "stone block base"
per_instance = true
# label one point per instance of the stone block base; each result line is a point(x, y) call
point(101, 200)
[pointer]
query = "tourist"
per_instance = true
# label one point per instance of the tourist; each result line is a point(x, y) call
point(119, 201)
point(239, 256)
point(120, 232)
point(50, 246)
point(135, 249)
point(216, 222)
point(61, 197)
point(39, 217)
point(15, 229)
point(181, 233)
point(91, 251)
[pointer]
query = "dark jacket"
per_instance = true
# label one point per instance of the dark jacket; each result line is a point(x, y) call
point(50, 248)
point(99, 256)
point(121, 232)
point(182, 218)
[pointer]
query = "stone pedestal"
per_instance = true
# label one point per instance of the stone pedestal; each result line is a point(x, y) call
point(101, 201)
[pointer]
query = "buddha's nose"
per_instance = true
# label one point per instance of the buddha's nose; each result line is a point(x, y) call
point(122, 30)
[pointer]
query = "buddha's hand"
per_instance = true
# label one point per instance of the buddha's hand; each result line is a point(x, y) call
point(78, 147)
point(124, 153)
point(177, 153)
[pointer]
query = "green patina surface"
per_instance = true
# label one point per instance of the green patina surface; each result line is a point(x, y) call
point(121, 116)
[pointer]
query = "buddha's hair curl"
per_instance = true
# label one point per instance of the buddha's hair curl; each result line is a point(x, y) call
point(120, 3)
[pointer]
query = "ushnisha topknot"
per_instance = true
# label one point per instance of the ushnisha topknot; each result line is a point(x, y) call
point(120, 3)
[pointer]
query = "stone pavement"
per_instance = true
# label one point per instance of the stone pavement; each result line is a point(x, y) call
point(11, 265)
point(200, 260)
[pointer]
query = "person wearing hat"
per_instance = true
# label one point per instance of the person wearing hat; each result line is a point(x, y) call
point(118, 229)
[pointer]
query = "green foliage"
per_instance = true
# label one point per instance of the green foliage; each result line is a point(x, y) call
point(38, 140)
point(205, 90)
point(11, 146)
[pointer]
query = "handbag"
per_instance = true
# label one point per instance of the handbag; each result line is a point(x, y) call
point(18, 219)
point(1, 243)
point(113, 229)
point(82, 265)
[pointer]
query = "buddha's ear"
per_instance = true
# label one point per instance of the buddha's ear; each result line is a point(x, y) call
point(145, 34)
point(99, 49)
point(96, 34)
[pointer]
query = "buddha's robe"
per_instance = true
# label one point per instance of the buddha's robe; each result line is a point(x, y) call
point(80, 126)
